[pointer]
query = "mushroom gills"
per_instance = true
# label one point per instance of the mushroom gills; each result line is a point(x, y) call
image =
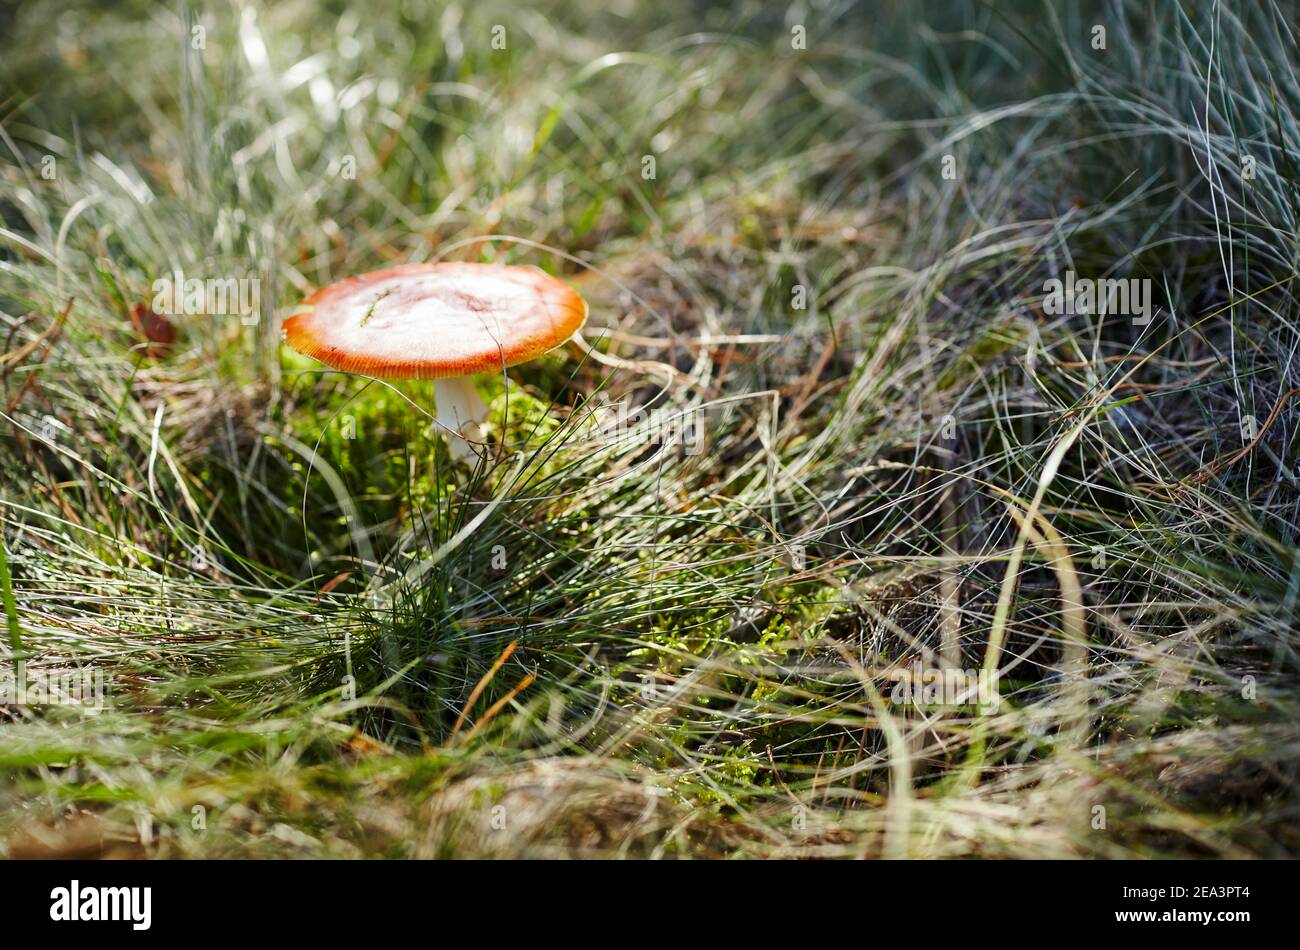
point(460, 413)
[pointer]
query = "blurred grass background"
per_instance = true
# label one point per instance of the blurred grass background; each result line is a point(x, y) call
point(321, 638)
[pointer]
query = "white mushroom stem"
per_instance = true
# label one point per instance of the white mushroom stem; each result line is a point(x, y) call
point(461, 413)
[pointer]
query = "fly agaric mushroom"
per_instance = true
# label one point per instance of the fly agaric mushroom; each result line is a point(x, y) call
point(446, 322)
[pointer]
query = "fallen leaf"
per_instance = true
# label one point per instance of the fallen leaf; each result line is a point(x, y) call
point(155, 328)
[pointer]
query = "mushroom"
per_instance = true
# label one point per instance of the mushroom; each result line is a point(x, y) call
point(447, 322)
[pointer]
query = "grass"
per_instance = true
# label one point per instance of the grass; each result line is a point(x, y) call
point(320, 637)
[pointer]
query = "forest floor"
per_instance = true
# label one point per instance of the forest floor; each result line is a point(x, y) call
point(909, 547)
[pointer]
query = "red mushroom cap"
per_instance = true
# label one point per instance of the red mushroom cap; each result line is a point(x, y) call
point(435, 321)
